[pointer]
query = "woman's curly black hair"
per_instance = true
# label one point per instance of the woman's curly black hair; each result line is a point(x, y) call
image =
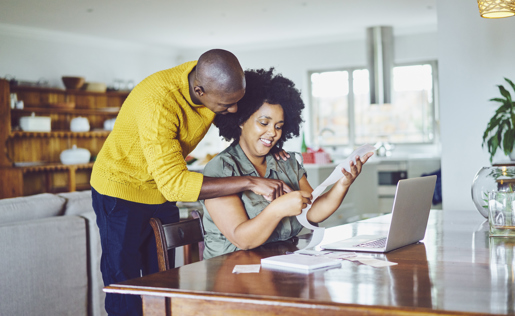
point(263, 86)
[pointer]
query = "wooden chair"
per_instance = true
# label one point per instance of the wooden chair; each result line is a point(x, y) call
point(184, 233)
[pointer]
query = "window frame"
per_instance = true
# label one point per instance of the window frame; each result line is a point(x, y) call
point(352, 124)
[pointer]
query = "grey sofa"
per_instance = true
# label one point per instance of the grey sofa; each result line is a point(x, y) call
point(50, 256)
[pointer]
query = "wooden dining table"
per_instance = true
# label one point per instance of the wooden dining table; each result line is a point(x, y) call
point(457, 269)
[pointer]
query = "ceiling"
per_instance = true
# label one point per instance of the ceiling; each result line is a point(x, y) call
point(207, 23)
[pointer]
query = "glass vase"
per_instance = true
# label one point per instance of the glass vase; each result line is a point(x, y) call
point(489, 179)
point(502, 213)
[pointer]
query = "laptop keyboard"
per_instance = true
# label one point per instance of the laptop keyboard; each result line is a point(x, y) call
point(378, 243)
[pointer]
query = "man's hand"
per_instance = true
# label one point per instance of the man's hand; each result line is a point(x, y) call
point(281, 155)
point(270, 189)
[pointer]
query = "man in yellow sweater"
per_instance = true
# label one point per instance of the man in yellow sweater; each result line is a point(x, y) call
point(140, 171)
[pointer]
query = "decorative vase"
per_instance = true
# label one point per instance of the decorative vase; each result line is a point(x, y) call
point(489, 179)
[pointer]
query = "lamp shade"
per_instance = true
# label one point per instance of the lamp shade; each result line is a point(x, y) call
point(495, 9)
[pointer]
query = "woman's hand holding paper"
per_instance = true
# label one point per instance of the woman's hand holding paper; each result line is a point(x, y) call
point(291, 204)
point(354, 170)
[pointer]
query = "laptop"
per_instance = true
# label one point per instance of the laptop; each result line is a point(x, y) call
point(410, 213)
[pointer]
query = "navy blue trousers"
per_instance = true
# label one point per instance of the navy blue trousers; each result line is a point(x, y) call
point(128, 245)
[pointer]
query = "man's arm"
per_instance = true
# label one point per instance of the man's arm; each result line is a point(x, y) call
point(217, 187)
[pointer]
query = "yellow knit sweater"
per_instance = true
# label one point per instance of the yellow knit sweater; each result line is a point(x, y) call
point(158, 125)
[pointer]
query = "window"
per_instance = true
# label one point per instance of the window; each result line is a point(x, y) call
point(330, 92)
point(343, 115)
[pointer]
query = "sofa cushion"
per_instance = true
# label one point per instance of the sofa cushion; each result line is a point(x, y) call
point(80, 203)
point(77, 202)
point(96, 293)
point(30, 207)
point(44, 267)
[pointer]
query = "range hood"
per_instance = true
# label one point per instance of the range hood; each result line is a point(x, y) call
point(380, 63)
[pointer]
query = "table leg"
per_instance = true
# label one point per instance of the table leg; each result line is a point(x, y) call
point(155, 305)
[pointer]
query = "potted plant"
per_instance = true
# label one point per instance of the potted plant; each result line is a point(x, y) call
point(500, 131)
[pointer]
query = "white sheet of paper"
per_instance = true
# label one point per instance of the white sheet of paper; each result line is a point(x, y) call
point(318, 232)
point(316, 239)
point(246, 268)
point(377, 263)
point(312, 252)
point(340, 255)
point(373, 262)
point(359, 258)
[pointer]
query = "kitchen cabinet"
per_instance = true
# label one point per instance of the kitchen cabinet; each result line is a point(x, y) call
point(29, 162)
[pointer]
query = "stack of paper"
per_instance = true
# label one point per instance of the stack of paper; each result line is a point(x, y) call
point(299, 263)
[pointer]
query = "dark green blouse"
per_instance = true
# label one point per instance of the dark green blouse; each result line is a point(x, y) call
point(233, 162)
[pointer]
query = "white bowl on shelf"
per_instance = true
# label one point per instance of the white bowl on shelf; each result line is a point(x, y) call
point(75, 156)
point(79, 124)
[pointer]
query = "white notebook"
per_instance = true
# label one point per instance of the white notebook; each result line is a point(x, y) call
point(299, 263)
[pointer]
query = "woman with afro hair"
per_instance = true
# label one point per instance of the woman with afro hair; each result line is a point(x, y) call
point(268, 115)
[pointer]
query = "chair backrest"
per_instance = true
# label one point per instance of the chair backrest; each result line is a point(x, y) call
point(171, 236)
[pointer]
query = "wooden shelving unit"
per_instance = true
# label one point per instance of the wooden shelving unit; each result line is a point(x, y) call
point(48, 109)
point(99, 133)
point(30, 162)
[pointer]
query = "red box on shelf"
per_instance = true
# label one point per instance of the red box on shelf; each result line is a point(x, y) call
point(308, 157)
point(319, 157)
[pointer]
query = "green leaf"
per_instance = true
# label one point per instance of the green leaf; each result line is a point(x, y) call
point(495, 121)
point(508, 123)
point(498, 100)
point(505, 93)
point(500, 130)
point(507, 142)
point(503, 109)
point(493, 148)
point(493, 124)
point(511, 83)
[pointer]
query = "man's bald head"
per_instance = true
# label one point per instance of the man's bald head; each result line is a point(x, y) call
point(219, 71)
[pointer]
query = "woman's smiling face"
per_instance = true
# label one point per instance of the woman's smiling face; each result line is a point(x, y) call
point(262, 130)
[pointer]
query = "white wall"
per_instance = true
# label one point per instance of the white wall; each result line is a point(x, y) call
point(474, 55)
point(31, 54)
point(295, 62)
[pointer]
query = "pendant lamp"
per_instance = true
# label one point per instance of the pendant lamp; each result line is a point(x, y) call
point(496, 9)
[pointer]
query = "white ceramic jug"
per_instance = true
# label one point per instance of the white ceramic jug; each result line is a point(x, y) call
point(79, 124)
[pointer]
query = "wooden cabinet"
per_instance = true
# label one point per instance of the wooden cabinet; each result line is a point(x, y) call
point(29, 162)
